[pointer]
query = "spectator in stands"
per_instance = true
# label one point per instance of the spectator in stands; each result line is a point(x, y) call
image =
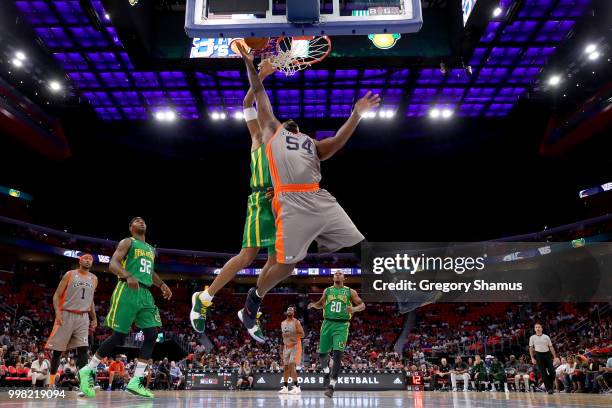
point(245, 375)
point(427, 373)
point(3, 372)
point(512, 363)
point(116, 370)
point(479, 372)
point(460, 372)
point(560, 373)
point(40, 370)
point(68, 379)
point(570, 367)
point(604, 379)
point(522, 373)
point(5, 339)
point(163, 372)
point(443, 372)
point(72, 366)
point(591, 369)
point(577, 376)
point(176, 376)
point(498, 375)
point(274, 366)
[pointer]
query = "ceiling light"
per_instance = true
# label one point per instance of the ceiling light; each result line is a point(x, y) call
point(55, 86)
point(554, 80)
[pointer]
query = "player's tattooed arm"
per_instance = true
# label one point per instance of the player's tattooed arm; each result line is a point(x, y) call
point(359, 306)
point(326, 148)
point(115, 263)
point(267, 120)
point(56, 298)
point(157, 281)
point(319, 304)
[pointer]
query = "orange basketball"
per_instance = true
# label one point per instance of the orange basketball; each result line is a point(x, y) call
point(257, 43)
point(234, 45)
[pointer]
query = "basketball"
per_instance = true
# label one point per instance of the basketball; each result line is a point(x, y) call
point(257, 43)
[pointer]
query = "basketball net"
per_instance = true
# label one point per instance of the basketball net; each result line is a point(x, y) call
point(292, 54)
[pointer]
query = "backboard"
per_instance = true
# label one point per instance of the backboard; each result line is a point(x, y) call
point(352, 17)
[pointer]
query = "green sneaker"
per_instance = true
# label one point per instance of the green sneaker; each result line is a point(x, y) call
point(255, 330)
point(198, 312)
point(136, 387)
point(87, 382)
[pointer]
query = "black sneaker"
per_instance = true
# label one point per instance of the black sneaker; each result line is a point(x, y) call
point(249, 316)
point(329, 392)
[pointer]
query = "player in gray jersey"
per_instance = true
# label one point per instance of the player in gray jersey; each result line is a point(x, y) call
point(292, 350)
point(303, 211)
point(75, 314)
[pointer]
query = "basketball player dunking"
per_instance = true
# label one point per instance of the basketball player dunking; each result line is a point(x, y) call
point(337, 304)
point(259, 230)
point(292, 351)
point(132, 302)
point(303, 211)
point(75, 314)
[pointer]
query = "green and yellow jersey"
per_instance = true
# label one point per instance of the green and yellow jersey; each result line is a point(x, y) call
point(336, 302)
point(140, 261)
point(260, 172)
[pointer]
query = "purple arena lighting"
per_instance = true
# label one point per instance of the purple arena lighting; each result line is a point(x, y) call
point(145, 79)
point(506, 62)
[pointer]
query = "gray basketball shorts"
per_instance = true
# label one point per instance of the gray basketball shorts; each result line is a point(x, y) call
point(72, 334)
point(302, 218)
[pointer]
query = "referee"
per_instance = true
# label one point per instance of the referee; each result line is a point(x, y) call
point(542, 353)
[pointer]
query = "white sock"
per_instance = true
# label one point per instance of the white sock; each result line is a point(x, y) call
point(205, 296)
point(93, 363)
point(140, 369)
point(332, 383)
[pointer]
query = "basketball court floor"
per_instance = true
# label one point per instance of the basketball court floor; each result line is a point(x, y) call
point(310, 399)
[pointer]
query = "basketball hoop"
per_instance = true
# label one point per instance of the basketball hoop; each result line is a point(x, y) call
point(287, 54)
point(297, 53)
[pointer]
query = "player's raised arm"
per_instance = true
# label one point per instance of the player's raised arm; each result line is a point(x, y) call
point(56, 298)
point(328, 147)
point(250, 114)
point(267, 120)
point(319, 304)
point(359, 306)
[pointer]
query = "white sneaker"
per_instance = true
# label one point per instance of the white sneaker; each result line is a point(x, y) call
point(295, 390)
point(283, 390)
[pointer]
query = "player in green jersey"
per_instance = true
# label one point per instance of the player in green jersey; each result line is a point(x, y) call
point(259, 228)
point(132, 302)
point(338, 303)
